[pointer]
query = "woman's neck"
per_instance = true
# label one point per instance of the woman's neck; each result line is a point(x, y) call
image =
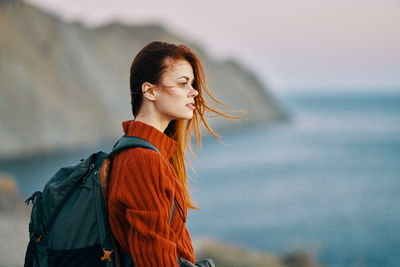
point(160, 125)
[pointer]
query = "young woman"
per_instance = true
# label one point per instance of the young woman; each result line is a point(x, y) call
point(166, 83)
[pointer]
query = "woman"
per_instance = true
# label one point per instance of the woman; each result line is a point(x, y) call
point(166, 83)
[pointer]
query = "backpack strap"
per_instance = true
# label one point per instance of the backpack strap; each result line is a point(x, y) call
point(126, 142)
point(172, 212)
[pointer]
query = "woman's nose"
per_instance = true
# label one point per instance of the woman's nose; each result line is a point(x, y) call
point(193, 92)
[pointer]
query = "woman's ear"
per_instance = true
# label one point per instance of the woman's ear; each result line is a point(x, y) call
point(148, 91)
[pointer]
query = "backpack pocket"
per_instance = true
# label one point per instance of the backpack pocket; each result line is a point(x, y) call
point(88, 256)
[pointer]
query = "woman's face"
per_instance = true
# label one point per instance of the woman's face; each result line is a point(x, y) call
point(176, 93)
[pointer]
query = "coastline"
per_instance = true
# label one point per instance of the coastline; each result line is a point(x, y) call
point(14, 220)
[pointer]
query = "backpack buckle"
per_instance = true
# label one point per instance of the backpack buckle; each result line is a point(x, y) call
point(107, 255)
point(38, 238)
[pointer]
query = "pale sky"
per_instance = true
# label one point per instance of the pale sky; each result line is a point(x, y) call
point(291, 45)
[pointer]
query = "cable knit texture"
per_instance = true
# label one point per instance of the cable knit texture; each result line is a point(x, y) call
point(141, 192)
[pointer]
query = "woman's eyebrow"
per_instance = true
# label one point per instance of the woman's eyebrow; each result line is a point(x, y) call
point(187, 78)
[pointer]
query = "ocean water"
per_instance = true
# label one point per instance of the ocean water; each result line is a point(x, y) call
point(327, 181)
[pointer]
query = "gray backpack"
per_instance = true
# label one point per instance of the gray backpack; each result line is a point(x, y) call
point(69, 223)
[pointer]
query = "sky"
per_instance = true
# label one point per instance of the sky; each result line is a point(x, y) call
point(308, 45)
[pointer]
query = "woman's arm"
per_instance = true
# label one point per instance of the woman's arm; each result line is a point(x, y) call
point(146, 189)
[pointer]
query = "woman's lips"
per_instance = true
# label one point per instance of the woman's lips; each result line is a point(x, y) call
point(191, 106)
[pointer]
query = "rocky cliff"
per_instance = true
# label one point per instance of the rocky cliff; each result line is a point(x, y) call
point(66, 85)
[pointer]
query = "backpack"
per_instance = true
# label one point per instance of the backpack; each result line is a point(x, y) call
point(69, 223)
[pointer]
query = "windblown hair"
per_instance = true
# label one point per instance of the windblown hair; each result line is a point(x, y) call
point(149, 66)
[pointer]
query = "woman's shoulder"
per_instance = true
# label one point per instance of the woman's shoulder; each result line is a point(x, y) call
point(141, 155)
point(140, 158)
point(136, 170)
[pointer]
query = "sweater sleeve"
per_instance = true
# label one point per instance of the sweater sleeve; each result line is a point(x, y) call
point(147, 192)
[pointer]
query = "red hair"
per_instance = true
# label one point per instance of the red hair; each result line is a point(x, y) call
point(148, 66)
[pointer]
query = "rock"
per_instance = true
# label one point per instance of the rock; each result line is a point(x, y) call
point(300, 259)
point(8, 193)
point(228, 255)
point(7, 185)
point(10, 200)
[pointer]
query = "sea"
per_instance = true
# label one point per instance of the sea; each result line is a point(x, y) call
point(326, 181)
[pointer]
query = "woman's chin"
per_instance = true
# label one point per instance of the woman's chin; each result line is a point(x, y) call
point(189, 116)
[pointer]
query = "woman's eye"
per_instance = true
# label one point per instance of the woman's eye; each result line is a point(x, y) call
point(186, 85)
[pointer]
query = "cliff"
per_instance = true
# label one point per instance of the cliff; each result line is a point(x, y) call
point(66, 85)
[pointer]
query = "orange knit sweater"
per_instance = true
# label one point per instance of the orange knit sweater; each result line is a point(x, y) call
point(141, 192)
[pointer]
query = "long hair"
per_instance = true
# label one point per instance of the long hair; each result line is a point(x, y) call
point(148, 66)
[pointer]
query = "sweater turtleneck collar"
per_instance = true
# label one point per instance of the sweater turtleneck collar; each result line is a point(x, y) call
point(165, 144)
